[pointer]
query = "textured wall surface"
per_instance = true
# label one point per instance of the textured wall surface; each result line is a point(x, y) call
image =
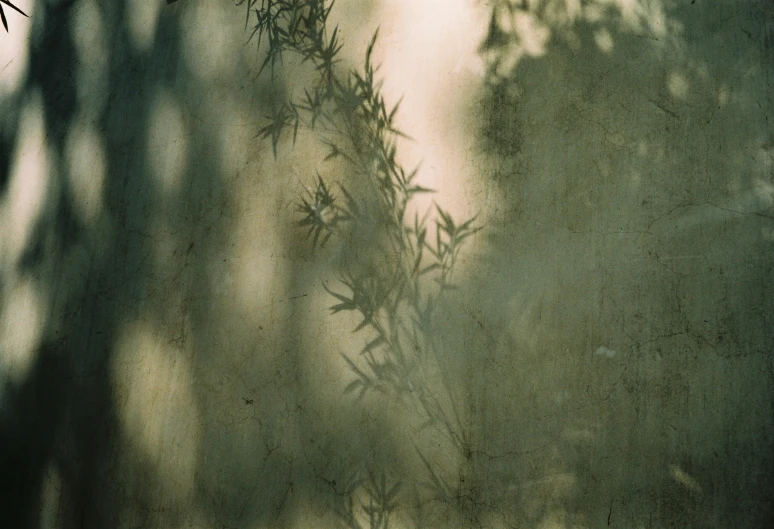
point(168, 358)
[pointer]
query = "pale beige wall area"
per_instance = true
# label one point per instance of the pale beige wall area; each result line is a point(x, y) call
point(168, 358)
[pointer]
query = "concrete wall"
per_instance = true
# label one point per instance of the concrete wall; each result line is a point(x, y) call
point(168, 357)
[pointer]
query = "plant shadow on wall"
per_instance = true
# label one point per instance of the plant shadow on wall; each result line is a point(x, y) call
point(543, 436)
point(123, 418)
point(59, 431)
point(394, 271)
point(118, 199)
point(632, 156)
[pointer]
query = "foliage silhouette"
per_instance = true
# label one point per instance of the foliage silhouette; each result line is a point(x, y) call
point(373, 508)
point(397, 288)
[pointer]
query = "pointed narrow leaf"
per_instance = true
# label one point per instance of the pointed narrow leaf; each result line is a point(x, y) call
point(376, 342)
point(400, 133)
point(419, 189)
point(390, 495)
point(336, 295)
point(394, 111)
point(366, 321)
point(465, 225)
point(354, 367)
point(438, 481)
point(326, 238)
point(9, 4)
point(342, 306)
point(371, 45)
point(357, 383)
point(340, 297)
point(429, 268)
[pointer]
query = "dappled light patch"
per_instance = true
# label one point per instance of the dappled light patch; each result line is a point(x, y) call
point(29, 181)
point(254, 271)
point(255, 274)
point(764, 191)
point(234, 119)
point(678, 85)
point(604, 40)
point(167, 143)
point(89, 34)
point(605, 352)
point(87, 165)
point(724, 95)
point(526, 309)
point(22, 320)
point(141, 21)
point(209, 53)
point(51, 496)
point(156, 405)
point(685, 480)
point(519, 30)
point(767, 233)
point(531, 33)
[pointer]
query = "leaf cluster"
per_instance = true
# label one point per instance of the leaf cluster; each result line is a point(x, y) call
point(396, 293)
point(376, 506)
point(294, 25)
point(320, 213)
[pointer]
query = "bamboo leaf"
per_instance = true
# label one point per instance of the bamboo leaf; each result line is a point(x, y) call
point(361, 375)
point(366, 321)
point(429, 268)
point(438, 482)
point(393, 492)
point(9, 4)
point(394, 111)
point(352, 386)
point(341, 298)
point(373, 344)
point(342, 306)
point(419, 189)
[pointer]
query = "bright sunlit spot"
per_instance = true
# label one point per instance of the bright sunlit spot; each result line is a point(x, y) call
point(604, 40)
point(51, 493)
point(29, 179)
point(532, 34)
point(21, 328)
point(678, 85)
point(85, 154)
point(685, 479)
point(167, 143)
point(208, 53)
point(154, 394)
point(141, 20)
point(428, 56)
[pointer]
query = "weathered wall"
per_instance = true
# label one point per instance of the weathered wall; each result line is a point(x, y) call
point(168, 359)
